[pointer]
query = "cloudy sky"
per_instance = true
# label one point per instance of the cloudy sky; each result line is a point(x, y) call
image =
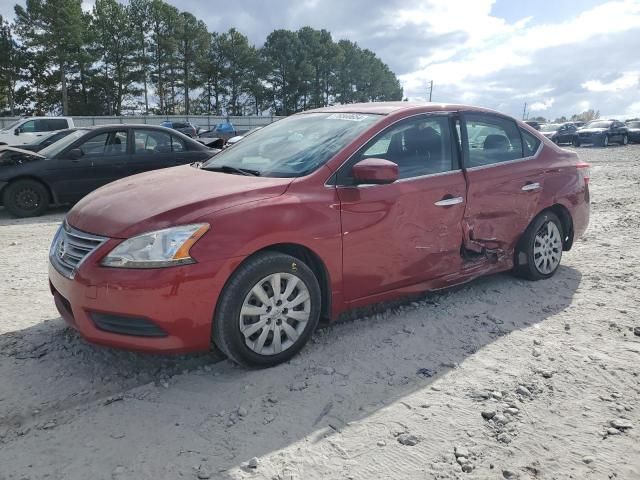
point(560, 57)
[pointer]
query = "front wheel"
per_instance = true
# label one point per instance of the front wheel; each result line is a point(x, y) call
point(625, 140)
point(539, 251)
point(605, 141)
point(268, 310)
point(26, 198)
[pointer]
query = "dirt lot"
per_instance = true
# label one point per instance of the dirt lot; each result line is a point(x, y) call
point(501, 378)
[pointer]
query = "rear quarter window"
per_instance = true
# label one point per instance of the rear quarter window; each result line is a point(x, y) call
point(530, 143)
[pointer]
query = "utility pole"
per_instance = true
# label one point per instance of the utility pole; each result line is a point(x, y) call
point(430, 89)
point(524, 111)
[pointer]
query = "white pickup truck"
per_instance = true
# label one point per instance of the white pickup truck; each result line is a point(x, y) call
point(28, 129)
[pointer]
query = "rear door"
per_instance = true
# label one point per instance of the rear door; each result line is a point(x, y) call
point(152, 149)
point(102, 160)
point(409, 231)
point(504, 180)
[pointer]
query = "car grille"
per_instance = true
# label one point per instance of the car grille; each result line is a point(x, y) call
point(71, 247)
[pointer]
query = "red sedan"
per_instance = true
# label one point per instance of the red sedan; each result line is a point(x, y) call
point(311, 216)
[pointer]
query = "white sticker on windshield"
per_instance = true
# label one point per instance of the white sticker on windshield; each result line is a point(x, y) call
point(352, 117)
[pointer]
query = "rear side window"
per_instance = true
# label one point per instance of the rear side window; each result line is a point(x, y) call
point(491, 139)
point(530, 143)
point(56, 124)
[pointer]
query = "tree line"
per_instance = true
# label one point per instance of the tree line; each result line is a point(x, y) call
point(585, 116)
point(147, 56)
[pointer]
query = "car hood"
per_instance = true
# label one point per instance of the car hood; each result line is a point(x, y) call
point(167, 197)
point(12, 156)
point(592, 130)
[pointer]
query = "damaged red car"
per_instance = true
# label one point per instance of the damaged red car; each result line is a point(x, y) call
point(314, 215)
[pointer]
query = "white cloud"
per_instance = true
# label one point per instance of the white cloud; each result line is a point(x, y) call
point(627, 80)
point(542, 106)
point(495, 47)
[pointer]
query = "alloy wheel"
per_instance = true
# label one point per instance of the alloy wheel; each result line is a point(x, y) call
point(274, 313)
point(27, 199)
point(547, 248)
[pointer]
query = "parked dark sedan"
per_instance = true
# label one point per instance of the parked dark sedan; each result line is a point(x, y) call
point(87, 159)
point(603, 132)
point(560, 132)
point(633, 129)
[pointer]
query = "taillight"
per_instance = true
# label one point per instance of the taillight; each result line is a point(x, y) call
point(584, 168)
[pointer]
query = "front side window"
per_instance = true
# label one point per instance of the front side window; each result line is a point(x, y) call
point(105, 144)
point(28, 127)
point(419, 146)
point(491, 139)
point(294, 146)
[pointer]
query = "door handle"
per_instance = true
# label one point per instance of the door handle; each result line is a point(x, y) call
point(531, 186)
point(447, 202)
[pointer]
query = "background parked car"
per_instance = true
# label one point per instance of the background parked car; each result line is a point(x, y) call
point(86, 159)
point(533, 124)
point(633, 129)
point(26, 130)
point(46, 140)
point(560, 132)
point(579, 123)
point(603, 132)
point(183, 127)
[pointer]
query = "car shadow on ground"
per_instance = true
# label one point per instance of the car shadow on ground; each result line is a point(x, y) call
point(347, 372)
point(52, 215)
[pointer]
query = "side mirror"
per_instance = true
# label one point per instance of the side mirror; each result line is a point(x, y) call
point(17, 131)
point(74, 154)
point(375, 171)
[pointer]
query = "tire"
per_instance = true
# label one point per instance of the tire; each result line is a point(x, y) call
point(576, 142)
point(605, 141)
point(529, 262)
point(26, 198)
point(263, 319)
point(625, 140)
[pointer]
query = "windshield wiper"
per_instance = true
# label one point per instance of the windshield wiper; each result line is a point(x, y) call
point(230, 169)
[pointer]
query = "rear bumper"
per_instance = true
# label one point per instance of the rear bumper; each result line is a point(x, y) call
point(592, 139)
point(171, 309)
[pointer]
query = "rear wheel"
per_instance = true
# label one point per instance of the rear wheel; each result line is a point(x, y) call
point(539, 251)
point(26, 198)
point(576, 142)
point(267, 311)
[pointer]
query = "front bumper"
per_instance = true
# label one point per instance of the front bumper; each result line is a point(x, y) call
point(179, 301)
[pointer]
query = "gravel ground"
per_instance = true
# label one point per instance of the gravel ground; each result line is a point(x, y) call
point(501, 378)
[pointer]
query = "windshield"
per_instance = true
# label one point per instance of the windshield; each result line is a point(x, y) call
point(600, 124)
point(549, 127)
point(633, 124)
point(55, 148)
point(295, 146)
point(11, 126)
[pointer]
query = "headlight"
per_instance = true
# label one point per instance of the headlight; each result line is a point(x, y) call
point(162, 248)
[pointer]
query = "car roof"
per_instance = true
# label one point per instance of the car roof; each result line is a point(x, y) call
point(386, 108)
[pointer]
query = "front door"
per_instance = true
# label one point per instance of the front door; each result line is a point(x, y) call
point(504, 180)
point(102, 159)
point(409, 231)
